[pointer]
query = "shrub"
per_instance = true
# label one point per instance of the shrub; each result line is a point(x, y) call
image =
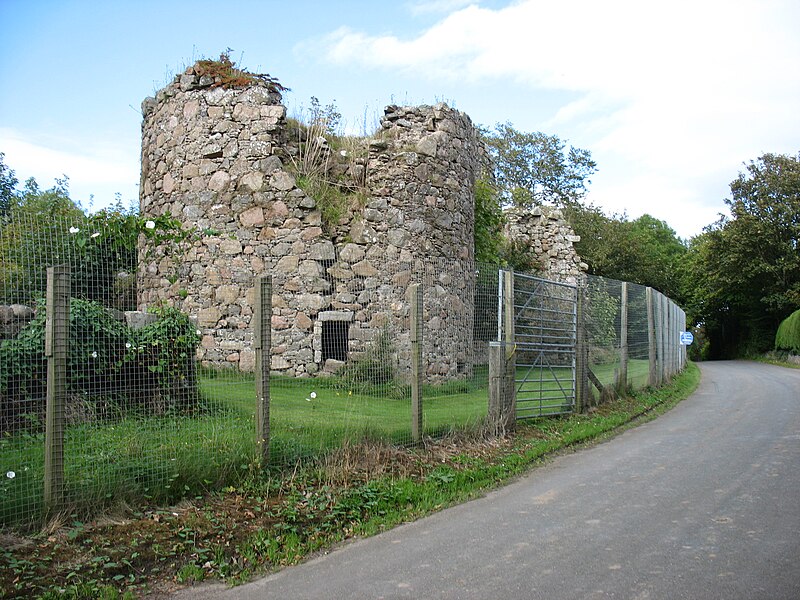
point(111, 369)
point(162, 359)
point(788, 334)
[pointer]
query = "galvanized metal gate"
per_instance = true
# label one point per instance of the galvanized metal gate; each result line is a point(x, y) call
point(544, 335)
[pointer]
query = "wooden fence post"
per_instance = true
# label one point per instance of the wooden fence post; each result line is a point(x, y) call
point(502, 360)
point(415, 293)
point(55, 349)
point(262, 344)
point(622, 381)
point(652, 376)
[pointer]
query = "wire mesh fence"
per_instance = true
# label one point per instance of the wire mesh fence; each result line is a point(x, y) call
point(149, 407)
point(632, 334)
point(126, 416)
point(365, 387)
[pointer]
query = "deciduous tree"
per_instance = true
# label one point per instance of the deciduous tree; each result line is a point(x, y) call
point(745, 269)
point(536, 168)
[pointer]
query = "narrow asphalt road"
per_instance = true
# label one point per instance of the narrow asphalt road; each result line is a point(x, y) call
point(702, 503)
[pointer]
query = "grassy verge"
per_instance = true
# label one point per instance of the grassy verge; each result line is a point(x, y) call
point(780, 359)
point(281, 517)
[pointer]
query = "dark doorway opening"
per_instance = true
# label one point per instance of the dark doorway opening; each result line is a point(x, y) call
point(334, 340)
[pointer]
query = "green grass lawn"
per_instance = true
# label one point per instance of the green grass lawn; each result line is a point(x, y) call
point(161, 458)
point(638, 371)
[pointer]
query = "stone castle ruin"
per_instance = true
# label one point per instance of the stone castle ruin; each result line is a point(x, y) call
point(223, 161)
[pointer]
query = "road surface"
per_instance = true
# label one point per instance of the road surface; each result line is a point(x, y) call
point(702, 503)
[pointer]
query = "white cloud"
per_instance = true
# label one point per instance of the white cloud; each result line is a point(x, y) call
point(421, 7)
point(675, 95)
point(100, 170)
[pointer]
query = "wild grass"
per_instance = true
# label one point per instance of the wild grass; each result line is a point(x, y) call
point(155, 460)
point(276, 518)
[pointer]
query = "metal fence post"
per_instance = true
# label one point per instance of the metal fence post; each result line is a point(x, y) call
point(415, 293)
point(622, 382)
point(581, 352)
point(55, 349)
point(262, 344)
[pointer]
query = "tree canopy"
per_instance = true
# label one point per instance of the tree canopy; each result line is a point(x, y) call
point(645, 250)
point(744, 272)
point(536, 168)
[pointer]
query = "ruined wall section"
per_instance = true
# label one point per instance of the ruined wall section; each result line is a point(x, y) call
point(422, 170)
point(211, 157)
point(548, 235)
point(219, 161)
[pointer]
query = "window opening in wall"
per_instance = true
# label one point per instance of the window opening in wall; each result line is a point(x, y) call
point(334, 340)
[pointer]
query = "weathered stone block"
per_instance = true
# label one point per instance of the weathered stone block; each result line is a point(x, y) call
point(247, 361)
point(230, 247)
point(352, 253)
point(252, 217)
point(312, 302)
point(365, 269)
point(287, 265)
point(303, 321)
point(251, 182)
point(219, 181)
point(281, 180)
point(208, 317)
point(322, 251)
point(362, 233)
point(227, 294)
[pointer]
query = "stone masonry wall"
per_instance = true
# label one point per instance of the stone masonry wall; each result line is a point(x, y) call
point(219, 161)
point(545, 231)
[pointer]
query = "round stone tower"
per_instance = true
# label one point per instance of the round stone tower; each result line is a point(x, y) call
point(218, 159)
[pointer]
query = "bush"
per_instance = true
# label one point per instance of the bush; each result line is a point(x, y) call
point(111, 369)
point(162, 359)
point(788, 334)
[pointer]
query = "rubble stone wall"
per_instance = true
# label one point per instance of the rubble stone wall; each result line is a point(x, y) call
point(551, 239)
point(221, 161)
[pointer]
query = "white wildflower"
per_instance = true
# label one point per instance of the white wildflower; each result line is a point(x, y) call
point(150, 224)
point(11, 474)
point(198, 332)
point(94, 354)
point(74, 230)
point(95, 234)
point(127, 345)
point(313, 394)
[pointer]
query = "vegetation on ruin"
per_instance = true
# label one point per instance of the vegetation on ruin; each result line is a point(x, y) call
point(330, 167)
point(225, 73)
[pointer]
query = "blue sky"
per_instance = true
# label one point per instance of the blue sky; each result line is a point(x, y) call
point(671, 98)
